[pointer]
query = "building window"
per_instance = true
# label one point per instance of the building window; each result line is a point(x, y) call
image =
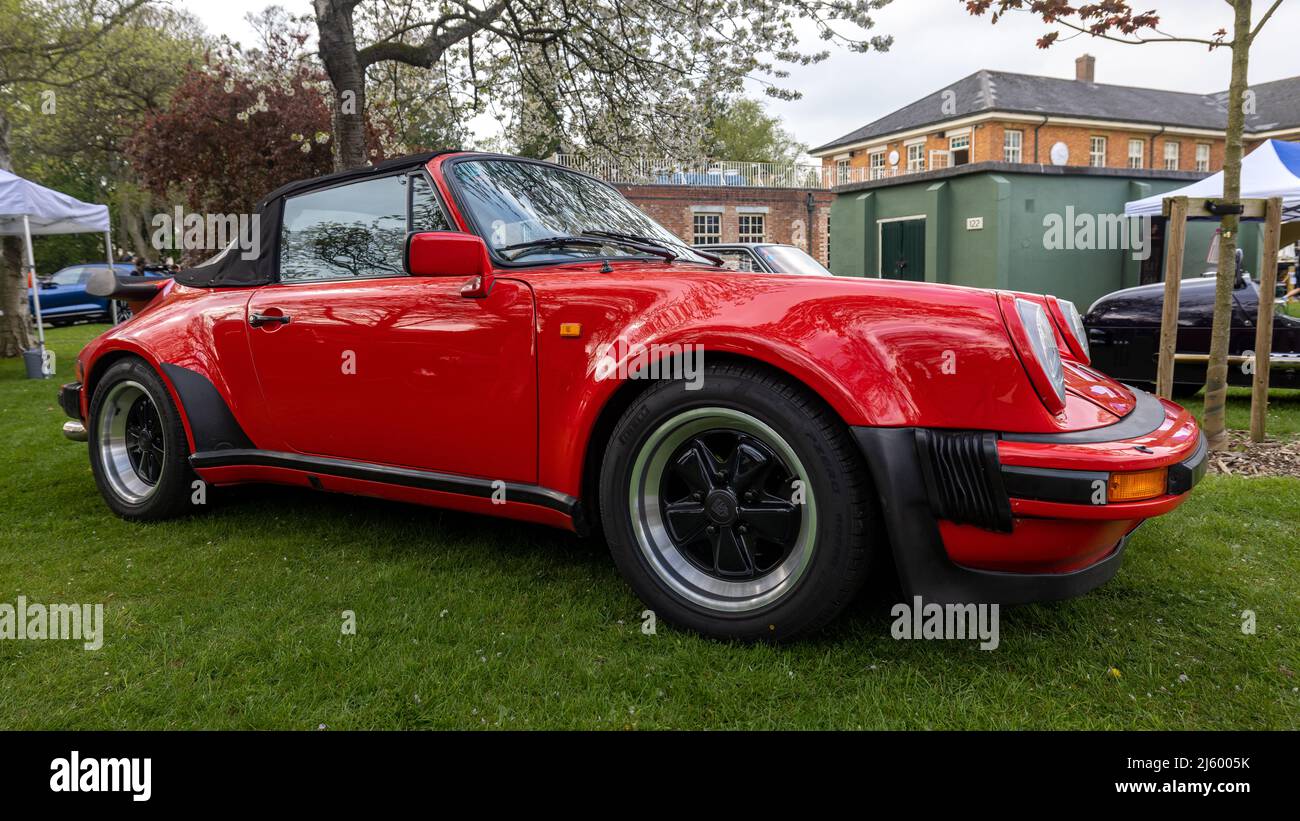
point(959, 149)
point(1202, 156)
point(1097, 152)
point(841, 172)
point(753, 228)
point(1171, 155)
point(878, 165)
point(707, 229)
point(1137, 152)
point(1012, 141)
point(916, 157)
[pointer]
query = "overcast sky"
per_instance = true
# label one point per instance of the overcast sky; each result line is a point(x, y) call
point(936, 43)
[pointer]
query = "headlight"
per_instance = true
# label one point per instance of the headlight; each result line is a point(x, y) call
point(1071, 324)
point(1042, 343)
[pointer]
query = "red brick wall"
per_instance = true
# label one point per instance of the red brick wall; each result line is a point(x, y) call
point(786, 217)
point(987, 145)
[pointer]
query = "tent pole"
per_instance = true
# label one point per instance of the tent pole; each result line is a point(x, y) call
point(36, 288)
point(112, 303)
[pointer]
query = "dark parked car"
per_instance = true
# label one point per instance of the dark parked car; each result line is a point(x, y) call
point(64, 299)
point(767, 257)
point(1124, 334)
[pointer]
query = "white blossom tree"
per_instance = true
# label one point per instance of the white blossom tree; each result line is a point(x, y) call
point(612, 73)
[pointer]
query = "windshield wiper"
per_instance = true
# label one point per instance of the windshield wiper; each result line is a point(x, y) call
point(546, 243)
point(716, 260)
point(587, 240)
point(648, 244)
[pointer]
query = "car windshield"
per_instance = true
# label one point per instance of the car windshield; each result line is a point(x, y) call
point(787, 259)
point(528, 207)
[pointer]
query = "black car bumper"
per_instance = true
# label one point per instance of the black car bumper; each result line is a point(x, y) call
point(934, 475)
point(70, 400)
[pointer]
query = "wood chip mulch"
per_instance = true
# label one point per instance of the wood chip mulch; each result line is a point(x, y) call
point(1275, 456)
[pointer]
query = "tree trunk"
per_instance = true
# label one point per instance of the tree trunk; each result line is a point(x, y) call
point(338, 51)
point(1216, 375)
point(15, 331)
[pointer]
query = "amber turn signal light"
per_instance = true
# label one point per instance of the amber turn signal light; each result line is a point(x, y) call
point(570, 329)
point(1130, 487)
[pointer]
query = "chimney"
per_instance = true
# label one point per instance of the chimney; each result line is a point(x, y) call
point(1085, 69)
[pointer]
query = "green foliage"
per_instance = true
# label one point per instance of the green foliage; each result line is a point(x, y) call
point(69, 125)
point(740, 130)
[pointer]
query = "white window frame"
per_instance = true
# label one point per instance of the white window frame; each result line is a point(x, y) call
point(842, 170)
point(708, 237)
point(916, 157)
point(1173, 157)
point(743, 235)
point(1013, 149)
point(876, 164)
point(958, 142)
point(1137, 159)
point(1097, 159)
point(1203, 157)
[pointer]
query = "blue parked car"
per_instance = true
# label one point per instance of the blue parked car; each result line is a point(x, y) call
point(64, 299)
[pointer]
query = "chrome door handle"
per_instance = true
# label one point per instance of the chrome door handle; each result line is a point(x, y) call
point(258, 320)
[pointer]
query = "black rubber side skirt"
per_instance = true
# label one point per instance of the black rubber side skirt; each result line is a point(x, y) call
point(389, 475)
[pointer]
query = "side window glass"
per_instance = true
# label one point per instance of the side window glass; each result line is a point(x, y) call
point(426, 214)
point(69, 276)
point(345, 232)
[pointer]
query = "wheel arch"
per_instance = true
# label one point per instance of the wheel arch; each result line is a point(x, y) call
point(622, 398)
point(103, 361)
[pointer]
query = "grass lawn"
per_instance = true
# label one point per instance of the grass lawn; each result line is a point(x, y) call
point(231, 619)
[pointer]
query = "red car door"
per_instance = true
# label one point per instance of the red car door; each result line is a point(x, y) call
point(376, 366)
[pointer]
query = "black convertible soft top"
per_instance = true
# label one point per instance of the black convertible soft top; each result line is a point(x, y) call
point(229, 269)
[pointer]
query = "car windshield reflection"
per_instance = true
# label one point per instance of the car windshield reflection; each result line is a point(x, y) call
point(523, 205)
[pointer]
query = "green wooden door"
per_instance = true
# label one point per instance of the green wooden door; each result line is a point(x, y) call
point(902, 250)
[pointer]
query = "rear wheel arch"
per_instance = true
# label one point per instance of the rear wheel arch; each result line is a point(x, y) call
point(147, 477)
point(106, 361)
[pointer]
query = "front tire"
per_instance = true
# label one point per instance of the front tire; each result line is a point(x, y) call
point(741, 510)
point(138, 450)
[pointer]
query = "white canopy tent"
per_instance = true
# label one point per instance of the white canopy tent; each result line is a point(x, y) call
point(28, 209)
point(1271, 170)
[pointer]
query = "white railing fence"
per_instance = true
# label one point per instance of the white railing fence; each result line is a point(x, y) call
point(666, 171)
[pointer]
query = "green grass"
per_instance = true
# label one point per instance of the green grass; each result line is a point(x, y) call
point(1283, 410)
point(231, 619)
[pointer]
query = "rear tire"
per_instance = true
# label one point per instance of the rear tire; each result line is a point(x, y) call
point(138, 450)
point(700, 505)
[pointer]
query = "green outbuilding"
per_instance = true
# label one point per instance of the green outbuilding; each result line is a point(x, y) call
point(1036, 228)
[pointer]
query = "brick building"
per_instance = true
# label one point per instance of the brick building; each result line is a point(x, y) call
point(997, 116)
point(706, 214)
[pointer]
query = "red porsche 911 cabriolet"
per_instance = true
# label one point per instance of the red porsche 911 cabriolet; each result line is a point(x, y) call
point(508, 337)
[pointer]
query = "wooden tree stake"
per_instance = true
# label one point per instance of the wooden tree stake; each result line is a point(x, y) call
point(1264, 326)
point(1175, 239)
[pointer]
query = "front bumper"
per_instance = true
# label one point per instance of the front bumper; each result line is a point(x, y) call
point(70, 400)
point(981, 517)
